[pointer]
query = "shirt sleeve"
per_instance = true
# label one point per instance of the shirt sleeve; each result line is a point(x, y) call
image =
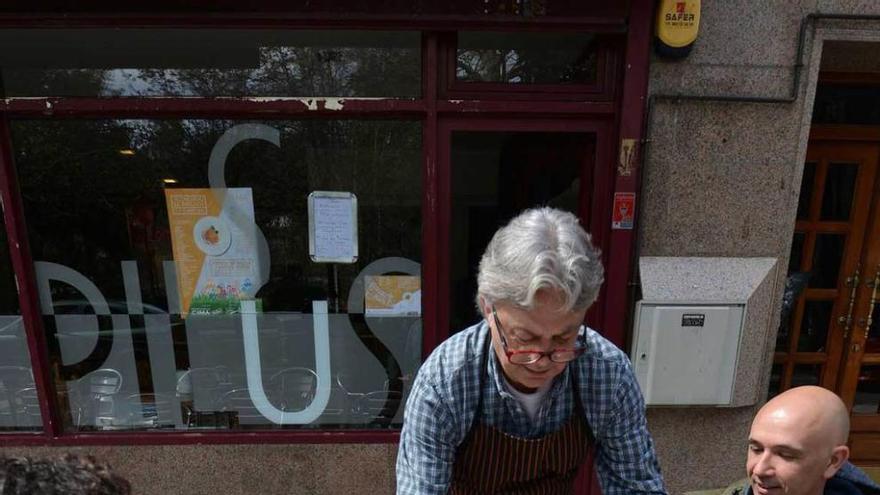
point(427, 447)
point(625, 458)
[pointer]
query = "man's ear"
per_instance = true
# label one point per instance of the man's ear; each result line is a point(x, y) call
point(839, 455)
point(485, 308)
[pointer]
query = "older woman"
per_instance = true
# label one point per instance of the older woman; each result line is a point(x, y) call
point(515, 403)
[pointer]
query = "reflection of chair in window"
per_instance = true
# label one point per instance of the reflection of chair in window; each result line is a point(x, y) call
point(239, 401)
point(96, 404)
point(12, 379)
point(343, 380)
point(378, 405)
point(356, 385)
point(149, 410)
point(338, 407)
point(373, 405)
point(292, 389)
point(27, 407)
point(208, 384)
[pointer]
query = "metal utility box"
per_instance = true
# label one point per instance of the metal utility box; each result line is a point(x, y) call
point(687, 354)
point(701, 333)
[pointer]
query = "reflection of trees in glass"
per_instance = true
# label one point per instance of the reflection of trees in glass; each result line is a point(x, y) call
point(524, 58)
point(262, 67)
point(294, 71)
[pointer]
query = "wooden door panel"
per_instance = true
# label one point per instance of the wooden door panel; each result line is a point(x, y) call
point(852, 376)
point(829, 234)
point(865, 448)
point(849, 370)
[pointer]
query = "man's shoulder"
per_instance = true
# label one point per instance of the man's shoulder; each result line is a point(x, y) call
point(600, 349)
point(849, 479)
point(604, 373)
point(458, 354)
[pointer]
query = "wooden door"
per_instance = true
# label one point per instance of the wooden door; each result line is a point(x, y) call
point(859, 373)
point(829, 337)
point(828, 240)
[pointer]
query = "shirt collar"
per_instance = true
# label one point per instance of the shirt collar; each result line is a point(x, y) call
point(493, 367)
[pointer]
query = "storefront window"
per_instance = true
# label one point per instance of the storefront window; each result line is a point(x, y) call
point(526, 58)
point(209, 62)
point(183, 277)
point(19, 407)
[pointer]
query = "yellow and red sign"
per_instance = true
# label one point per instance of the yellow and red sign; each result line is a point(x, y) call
point(678, 23)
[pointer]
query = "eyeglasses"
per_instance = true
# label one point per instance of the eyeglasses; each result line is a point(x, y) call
point(532, 356)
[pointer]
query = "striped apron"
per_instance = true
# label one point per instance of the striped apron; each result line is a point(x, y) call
point(491, 461)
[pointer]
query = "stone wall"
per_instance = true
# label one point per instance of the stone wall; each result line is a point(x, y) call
point(722, 179)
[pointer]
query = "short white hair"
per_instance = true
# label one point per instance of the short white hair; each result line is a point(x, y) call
point(541, 249)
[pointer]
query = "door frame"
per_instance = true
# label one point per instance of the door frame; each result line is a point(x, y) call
point(595, 216)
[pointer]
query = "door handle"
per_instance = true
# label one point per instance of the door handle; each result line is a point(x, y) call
point(873, 285)
point(853, 284)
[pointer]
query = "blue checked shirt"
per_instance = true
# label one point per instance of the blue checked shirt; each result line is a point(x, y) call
point(444, 398)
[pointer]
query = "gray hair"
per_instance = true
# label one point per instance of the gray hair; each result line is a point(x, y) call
point(540, 249)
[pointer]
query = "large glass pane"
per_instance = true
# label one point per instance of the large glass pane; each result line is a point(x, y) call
point(495, 175)
point(840, 184)
point(803, 211)
point(867, 399)
point(209, 62)
point(827, 256)
point(814, 326)
point(527, 58)
point(19, 407)
point(177, 282)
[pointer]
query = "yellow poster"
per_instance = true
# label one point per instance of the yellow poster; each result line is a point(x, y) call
point(392, 295)
point(216, 257)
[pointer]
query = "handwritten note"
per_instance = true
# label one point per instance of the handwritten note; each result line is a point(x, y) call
point(334, 229)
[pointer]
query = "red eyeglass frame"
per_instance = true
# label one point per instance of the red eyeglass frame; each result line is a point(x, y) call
point(577, 350)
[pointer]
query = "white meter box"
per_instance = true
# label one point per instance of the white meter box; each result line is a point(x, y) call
point(687, 354)
point(702, 330)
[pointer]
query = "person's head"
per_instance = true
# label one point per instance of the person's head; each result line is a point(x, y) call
point(538, 276)
point(797, 442)
point(68, 475)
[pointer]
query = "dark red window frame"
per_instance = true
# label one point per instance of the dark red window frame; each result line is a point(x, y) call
point(625, 115)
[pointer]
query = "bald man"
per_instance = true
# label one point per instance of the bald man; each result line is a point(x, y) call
point(797, 446)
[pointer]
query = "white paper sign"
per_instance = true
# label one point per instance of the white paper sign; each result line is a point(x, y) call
point(333, 227)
